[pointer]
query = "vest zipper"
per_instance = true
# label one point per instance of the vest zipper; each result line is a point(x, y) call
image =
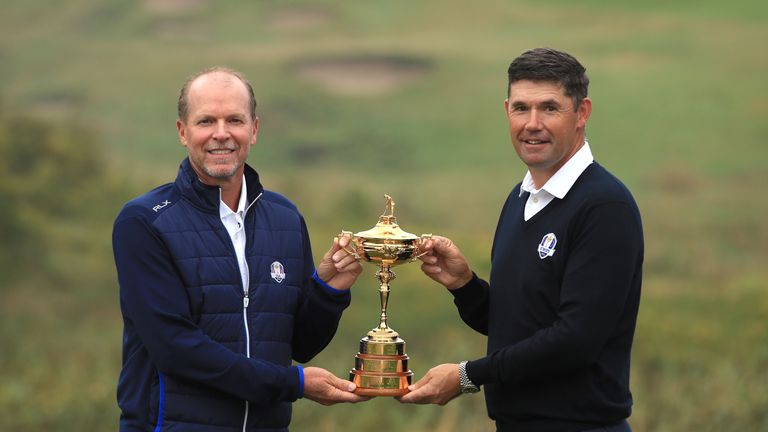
point(246, 301)
point(247, 341)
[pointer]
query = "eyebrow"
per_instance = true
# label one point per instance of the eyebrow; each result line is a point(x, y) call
point(209, 115)
point(543, 102)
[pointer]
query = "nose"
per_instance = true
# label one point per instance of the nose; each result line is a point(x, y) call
point(221, 133)
point(533, 122)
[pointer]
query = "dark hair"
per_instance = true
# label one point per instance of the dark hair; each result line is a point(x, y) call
point(183, 106)
point(547, 64)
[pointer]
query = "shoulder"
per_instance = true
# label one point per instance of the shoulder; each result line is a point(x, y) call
point(278, 202)
point(150, 205)
point(598, 186)
point(515, 191)
point(514, 195)
point(279, 212)
point(513, 199)
point(598, 195)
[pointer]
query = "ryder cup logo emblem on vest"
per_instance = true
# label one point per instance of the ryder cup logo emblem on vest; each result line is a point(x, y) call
point(277, 271)
point(547, 246)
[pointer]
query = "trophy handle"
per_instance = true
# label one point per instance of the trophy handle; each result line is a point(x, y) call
point(418, 245)
point(352, 237)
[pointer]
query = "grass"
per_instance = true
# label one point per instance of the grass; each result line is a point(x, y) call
point(680, 102)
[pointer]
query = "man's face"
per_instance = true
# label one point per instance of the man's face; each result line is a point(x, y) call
point(218, 131)
point(544, 128)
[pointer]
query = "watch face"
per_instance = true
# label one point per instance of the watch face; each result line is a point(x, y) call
point(470, 389)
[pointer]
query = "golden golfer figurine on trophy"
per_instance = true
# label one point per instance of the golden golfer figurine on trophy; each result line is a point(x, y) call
point(381, 365)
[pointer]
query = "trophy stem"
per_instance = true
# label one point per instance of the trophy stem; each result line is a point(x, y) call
point(384, 275)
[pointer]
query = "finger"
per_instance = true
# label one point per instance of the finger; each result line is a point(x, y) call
point(342, 384)
point(431, 269)
point(427, 244)
point(420, 383)
point(352, 268)
point(344, 240)
point(341, 255)
point(427, 255)
point(414, 397)
point(336, 245)
point(349, 269)
point(344, 252)
point(340, 396)
point(358, 398)
point(406, 398)
point(345, 261)
point(442, 244)
point(328, 256)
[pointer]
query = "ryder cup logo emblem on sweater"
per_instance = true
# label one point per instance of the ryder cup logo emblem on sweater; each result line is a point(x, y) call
point(277, 271)
point(547, 246)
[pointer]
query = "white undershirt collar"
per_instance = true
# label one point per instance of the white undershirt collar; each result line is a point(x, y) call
point(234, 223)
point(558, 185)
point(224, 209)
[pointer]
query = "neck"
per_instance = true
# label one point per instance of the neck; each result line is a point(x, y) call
point(541, 175)
point(230, 186)
point(539, 178)
point(230, 193)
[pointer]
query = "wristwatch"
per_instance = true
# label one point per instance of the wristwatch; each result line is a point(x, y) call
point(466, 385)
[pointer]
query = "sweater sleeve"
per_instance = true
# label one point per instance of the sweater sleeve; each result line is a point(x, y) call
point(318, 312)
point(601, 271)
point(472, 303)
point(154, 302)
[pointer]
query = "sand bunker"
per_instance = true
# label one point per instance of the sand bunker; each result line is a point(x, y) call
point(363, 75)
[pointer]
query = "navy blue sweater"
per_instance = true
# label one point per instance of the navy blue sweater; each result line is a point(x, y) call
point(194, 357)
point(560, 309)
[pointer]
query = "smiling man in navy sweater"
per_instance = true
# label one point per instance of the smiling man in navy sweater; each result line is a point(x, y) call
point(561, 304)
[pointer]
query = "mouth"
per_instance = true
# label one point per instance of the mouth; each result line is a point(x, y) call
point(534, 142)
point(219, 152)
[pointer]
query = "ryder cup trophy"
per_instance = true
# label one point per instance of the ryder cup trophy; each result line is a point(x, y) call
point(381, 365)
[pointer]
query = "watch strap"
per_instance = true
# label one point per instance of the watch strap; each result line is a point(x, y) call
point(466, 385)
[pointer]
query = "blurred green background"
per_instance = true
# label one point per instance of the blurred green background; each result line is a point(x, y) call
point(362, 98)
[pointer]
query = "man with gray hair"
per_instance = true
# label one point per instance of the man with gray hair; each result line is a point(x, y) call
point(218, 288)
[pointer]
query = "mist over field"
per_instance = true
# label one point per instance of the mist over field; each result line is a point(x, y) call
point(359, 99)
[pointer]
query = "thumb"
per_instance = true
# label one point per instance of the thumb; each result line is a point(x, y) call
point(325, 268)
point(420, 383)
point(334, 247)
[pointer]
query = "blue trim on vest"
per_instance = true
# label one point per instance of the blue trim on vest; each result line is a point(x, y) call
point(327, 287)
point(161, 403)
point(301, 381)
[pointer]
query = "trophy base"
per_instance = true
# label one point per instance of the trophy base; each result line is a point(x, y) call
point(381, 368)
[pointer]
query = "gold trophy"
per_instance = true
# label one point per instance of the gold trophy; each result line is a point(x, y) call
point(381, 365)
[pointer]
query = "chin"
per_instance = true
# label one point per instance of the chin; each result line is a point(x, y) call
point(221, 172)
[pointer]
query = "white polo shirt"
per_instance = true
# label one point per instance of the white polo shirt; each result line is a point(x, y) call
point(558, 185)
point(234, 223)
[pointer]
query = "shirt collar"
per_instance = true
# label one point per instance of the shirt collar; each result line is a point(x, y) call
point(224, 209)
point(559, 184)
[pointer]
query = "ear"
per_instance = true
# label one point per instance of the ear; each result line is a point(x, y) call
point(255, 130)
point(506, 107)
point(182, 129)
point(585, 110)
